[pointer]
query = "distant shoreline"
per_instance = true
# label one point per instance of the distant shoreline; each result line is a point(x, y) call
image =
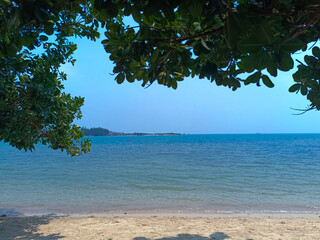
point(136, 134)
point(95, 132)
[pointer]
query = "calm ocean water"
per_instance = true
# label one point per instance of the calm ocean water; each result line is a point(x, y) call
point(187, 173)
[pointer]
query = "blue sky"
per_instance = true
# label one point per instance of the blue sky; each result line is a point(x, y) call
point(197, 106)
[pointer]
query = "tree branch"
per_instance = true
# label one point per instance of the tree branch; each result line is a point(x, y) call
point(301, 30)
point(202, 34)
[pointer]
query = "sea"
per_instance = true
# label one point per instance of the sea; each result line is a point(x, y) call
point(232, 173)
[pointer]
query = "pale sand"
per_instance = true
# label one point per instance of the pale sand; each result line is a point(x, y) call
point(162, 227)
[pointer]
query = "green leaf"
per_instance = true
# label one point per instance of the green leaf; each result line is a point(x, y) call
point(11, 50)
point(27, 40)
point(120, 78)
point(263, 33)
point(5, 2)
point(44, 38)
point(174, 84)
point(6, 39)
point(154, 56)
point(254, 78)
point(304, 90)
point(295, 87)
point(256, 61)
point(196, 8)
point(48, 28)
point(134, 66)
point(316, 52)
point(14, 19)
point(266, 80)
point(272, 69)
point(232, 27)
point(302, 74)
point(310, 60)
point(249, 45)
point(136, 16)
point(286, 62)
point(293, 45)
point(96, 23)
point(130, 78)
point(262, 59)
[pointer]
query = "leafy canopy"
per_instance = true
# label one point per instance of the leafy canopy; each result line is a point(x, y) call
point(33, 45)
point(231, 43)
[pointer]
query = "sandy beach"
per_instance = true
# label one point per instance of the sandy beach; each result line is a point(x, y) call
point(162, 227)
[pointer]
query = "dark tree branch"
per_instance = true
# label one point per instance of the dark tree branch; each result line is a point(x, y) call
point(199, 35)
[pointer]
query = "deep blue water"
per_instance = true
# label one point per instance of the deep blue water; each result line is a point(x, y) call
point(187, 173)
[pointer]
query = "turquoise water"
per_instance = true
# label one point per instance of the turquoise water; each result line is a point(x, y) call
point(187, 173)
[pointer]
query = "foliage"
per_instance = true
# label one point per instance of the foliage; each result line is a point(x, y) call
point(33, 106)
point(230, 42)
point(96, 131)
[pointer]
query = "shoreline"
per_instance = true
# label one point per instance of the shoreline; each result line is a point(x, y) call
point(147, 214)
point(29, 211)
point(200, 215)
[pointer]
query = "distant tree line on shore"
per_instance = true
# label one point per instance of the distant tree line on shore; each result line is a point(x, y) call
point(98, 131)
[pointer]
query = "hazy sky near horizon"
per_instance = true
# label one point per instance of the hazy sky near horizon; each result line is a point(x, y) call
point(197, 106)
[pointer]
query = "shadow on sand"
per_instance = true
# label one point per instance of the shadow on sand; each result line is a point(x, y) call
point(214, 236)
point(16, 226)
